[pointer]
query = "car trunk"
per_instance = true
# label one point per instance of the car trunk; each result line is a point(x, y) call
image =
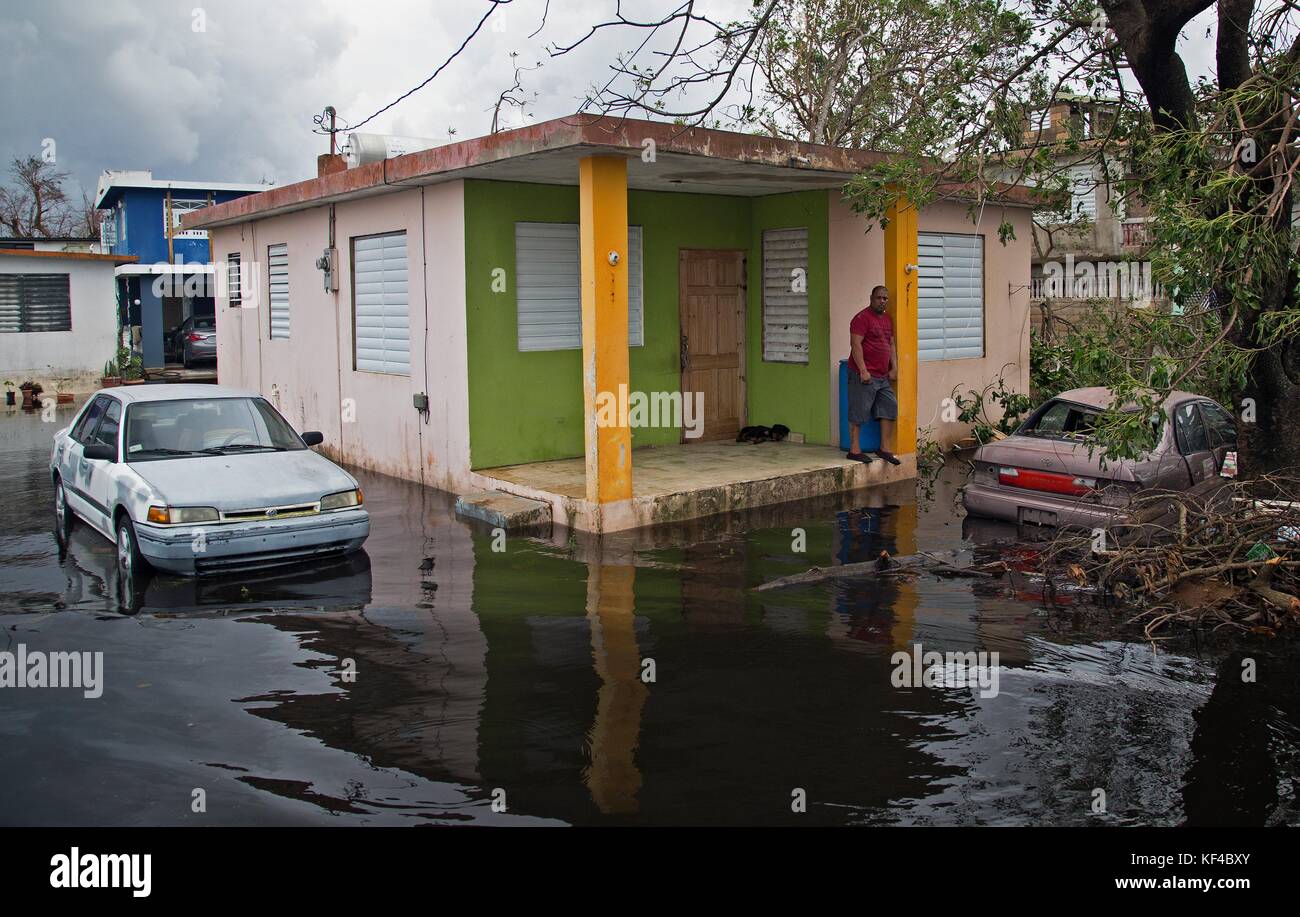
point(1054, 467)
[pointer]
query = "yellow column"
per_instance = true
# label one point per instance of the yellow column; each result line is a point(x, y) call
point(901, 259)
point(603, 234)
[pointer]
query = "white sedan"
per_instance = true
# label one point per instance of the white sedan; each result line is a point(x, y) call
point(201, 479)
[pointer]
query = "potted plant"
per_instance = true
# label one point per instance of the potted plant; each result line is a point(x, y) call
point(61, 396)
point(111, 377)
point(133, 371)
point(9, 392)
point(31, 391)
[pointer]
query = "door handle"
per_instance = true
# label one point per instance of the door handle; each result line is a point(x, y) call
point(685, 353)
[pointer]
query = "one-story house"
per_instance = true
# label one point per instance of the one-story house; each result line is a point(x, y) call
point(483, 315)
point(58, 317)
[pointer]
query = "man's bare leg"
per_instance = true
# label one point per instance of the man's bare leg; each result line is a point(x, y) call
point(886, 435)
point(854, 445)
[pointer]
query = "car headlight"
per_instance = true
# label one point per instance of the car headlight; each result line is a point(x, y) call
point(181, 515)
point(341, 500)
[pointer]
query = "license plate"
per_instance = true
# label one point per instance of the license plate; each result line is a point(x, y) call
point(1029, 516)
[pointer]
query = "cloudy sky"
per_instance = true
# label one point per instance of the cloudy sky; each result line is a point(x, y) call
point(225, 90)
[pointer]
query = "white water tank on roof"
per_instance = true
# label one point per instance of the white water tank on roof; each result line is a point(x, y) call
point(361, 149)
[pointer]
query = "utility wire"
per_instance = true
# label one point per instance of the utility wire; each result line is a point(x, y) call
point(443, 66)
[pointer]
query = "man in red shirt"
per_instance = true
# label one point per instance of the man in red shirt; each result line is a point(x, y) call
point(873, 365)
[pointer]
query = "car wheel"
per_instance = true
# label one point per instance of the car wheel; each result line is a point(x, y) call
point(62, 513)
point(130, 563)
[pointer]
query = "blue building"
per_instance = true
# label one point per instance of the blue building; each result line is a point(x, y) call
point(173, 278)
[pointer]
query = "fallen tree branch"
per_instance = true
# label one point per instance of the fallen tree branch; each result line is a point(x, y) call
point(884, 565)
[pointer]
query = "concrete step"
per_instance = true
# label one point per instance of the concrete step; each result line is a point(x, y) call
point(503, 510)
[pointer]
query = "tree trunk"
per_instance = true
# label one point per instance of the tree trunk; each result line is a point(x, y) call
point(1272, 443)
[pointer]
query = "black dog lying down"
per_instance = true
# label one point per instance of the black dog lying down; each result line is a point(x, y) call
point(774, 433)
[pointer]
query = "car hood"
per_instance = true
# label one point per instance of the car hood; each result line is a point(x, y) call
point(1046, 454)
point(249, 481)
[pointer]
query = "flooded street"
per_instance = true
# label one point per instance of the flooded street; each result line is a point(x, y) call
point(638, 679)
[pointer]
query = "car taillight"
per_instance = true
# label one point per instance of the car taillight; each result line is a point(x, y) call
point(1047, 481)
point(197, 337)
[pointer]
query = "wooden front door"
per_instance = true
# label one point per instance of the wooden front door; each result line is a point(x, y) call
point(712, 303)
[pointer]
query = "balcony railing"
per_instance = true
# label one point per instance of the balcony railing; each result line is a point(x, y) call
point(1137, 232)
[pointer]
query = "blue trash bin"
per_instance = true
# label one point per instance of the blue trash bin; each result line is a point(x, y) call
point(869, 435)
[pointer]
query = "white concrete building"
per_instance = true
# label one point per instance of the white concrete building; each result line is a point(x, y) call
point(58, 317)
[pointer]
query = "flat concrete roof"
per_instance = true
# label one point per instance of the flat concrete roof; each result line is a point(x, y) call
point(75, 256)
point(691, 160)
point(113, 180)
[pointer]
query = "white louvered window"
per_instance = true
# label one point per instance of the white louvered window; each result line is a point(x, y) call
point(277, 260)
point(1083, 193)
point(234, 290)
point(785, 295)
point(35, 302)
point(548, 287)
point(381, 309)
point(950, 296)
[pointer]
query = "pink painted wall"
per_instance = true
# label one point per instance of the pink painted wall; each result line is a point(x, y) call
point(857, 263)
point(367, 418)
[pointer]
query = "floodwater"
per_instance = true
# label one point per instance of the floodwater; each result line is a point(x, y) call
point(638, 680)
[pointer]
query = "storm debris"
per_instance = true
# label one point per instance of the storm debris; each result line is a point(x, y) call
point(1228, 559)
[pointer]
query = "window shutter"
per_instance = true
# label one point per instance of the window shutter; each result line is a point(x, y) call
point(785, 295)
point(950, 296)
point(1083, 193)
point(234, 292)
point(381, 305)
point(635, 287)
point(277, 257)
point(35, 302)
point(548, 287)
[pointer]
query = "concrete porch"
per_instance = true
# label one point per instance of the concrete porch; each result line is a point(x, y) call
point(692, 481)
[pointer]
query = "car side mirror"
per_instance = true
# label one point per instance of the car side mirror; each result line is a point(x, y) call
point(313, 438)
point(100, 452)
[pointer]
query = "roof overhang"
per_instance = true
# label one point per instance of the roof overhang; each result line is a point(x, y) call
point(69, 256)
point(661, 157)
point(110, 189)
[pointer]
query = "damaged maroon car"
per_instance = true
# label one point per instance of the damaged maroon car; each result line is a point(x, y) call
point(1044, 473)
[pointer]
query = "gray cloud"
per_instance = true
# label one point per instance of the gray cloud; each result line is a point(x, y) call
point(119, 84)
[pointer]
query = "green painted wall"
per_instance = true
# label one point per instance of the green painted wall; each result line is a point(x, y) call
point(793, 394)
point(527, 407)
point(523, 407)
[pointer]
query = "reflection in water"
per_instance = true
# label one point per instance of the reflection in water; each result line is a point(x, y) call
point(515, 678)
point(613, 777)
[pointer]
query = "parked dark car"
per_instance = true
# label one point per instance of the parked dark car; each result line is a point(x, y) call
point(1043, 474)
point(195, 340)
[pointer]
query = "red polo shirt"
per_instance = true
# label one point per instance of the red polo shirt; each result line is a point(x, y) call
point(877, 340)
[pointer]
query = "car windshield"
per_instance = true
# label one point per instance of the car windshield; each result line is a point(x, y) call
point(207, 323)
point(1061, 420)
point(205, 426)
